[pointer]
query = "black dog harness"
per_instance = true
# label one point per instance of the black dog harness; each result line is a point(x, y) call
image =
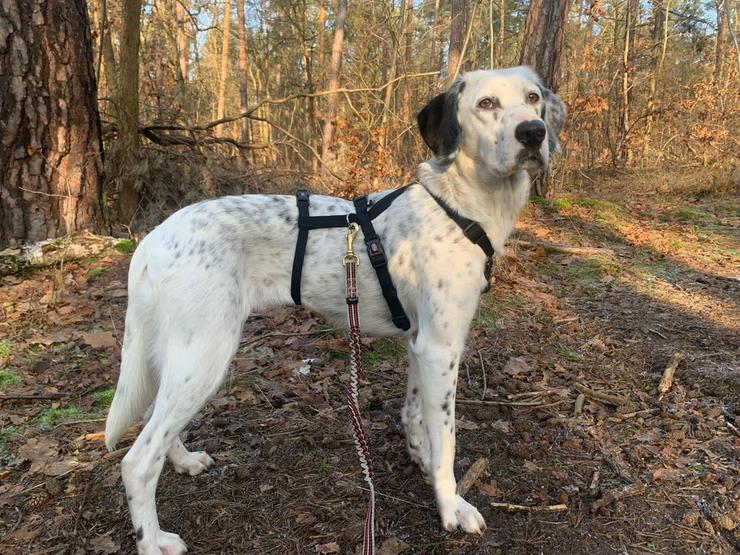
point(365, 212)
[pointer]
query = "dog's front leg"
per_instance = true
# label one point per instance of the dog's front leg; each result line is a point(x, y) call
point(438, 366)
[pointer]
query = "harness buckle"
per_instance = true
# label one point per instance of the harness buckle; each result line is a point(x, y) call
point(352, 230)
point(376, 253)
point(474, 232)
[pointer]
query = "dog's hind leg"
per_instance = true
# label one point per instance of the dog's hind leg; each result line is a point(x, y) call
point(188, 462)
point(193, 370)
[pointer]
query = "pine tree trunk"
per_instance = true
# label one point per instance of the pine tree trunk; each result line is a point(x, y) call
point(243, 71)
point(332, 100)
point(128, 109)
point(408, 32)
point(182, 39)
point(385, 117)
point(544, 36)
point(458, 30)
point(50, 149)
point(719, 49)
point(224, 75)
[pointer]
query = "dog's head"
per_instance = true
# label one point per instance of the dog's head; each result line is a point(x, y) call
point(504, 118)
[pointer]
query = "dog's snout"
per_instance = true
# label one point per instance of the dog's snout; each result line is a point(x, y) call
point(530, 133)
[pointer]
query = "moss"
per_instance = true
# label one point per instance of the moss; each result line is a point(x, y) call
point(104, 397)
point(97, 273)
point(8, 378)
point(127, 246)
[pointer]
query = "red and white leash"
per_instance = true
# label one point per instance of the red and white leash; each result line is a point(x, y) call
point(350, 262)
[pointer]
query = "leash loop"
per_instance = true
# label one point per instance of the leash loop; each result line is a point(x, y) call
point(350, 262)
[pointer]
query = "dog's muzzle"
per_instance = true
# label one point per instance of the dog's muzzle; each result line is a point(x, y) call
point(531, 133)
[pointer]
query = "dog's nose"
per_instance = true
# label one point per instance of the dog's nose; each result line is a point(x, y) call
point(530, 133)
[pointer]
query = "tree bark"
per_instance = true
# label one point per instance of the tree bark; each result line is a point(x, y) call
point(182, 39)
point(224, 75)
point(388, 94)
point(243, 71)
point(332, 100)
point(458, 30)
point(544, 36)
point(660, 43)
point(408, 32)
point(50, 150)
point(128, 109)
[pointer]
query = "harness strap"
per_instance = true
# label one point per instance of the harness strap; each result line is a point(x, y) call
point(300, 246)
point(366, 211)
point(473, 231)
point(378, 259)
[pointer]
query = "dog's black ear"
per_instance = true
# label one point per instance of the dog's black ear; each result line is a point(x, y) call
point(439, 125)
point(553, 113)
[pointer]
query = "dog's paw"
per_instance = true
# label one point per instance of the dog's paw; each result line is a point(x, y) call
point(166, 543)
point(192, 463)
point(461, 514)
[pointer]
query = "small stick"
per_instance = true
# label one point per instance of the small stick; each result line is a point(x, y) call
point(472, 475)
point(599, 396)
point(511, 507)
point(594, 485)
point(615, 495)
point(563, 249)
point(667, 380)
point(580, 400)
point(507, 403)
point(483, 371)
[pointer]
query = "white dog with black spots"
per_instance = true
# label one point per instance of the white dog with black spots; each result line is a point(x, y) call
point(195, 279)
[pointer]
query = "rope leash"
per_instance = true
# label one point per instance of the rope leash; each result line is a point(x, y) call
point(350, 262)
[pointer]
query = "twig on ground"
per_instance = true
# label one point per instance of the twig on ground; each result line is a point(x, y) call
point(32, 397)
point(511, 507)
point(564, 249)
point(483, 371)
point(267, 335)
point(506, 403)
point(580, 400)
point(599, 396)
point(626, 416)
point(667, 380)
point(617, 468)
point(593, 487)
point(615, 495)
point(472, 475)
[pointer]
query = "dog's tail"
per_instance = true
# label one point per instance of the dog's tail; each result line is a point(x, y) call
point(137, 383)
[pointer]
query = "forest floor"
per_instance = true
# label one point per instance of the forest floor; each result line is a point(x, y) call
point(640, 472)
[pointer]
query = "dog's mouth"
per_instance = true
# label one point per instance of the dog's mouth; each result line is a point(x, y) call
point(530, 160)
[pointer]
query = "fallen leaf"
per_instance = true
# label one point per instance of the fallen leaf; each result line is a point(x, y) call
point(100, 339)
point(39, 451)
point(516, 365)
point(530, 466)
point(491, 490)
point(503, 426)
point(332, 547)
point(393, 546)
point(104, 544)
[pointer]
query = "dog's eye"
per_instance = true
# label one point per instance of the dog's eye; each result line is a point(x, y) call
point(533, 98)
point(487, 104)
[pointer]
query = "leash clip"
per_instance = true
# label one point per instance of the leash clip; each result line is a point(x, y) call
point(352, 230)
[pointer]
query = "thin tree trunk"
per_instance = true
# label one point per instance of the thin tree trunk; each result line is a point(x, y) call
point(332, 101)
point(458, 31)
point(183, 38)
point(110, 70)
point(631, 14)
point(243, 71)
point(51, 154)
point(391, 87)
point(128, 109)
point(224, 74)
point(660, 43)
point(501, 31)
point(408, 31)
point(720, 47)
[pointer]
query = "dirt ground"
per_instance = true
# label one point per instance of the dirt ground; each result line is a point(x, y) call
point(639, 472)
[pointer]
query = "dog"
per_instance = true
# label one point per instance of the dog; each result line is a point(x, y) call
point(195, 279)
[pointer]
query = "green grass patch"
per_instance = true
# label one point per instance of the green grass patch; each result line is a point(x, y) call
point(6, 433)
point(494, 307)
point(104, 397)
point(564, 204)
point(97, 273)
point(385, 349)
point(566, 352)
point(6, 347)
point(52, 417)
point(127, 246)
point(589, 271)
point(651, 270)
point(691, 215)
point(9, 378)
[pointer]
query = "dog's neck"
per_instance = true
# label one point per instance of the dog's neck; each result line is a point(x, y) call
point(476, 193)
